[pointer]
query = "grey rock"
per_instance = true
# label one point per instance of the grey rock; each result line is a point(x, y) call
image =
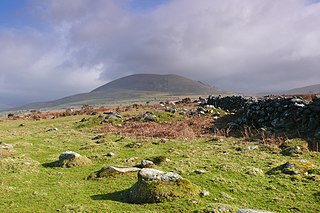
point(110, 154)
point(204, 193)
point(68, 155)
point(122, 170)
point(132, 159)
point(199, 171)
point(146, 164)
point(149, 174)
point(5, 146)
point(171, 110)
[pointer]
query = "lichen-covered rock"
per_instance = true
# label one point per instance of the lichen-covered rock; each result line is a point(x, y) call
point(155, 186)
point(72, 159)
point(112, 171)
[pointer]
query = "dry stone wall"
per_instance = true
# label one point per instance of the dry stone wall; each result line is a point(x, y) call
point(280, 113)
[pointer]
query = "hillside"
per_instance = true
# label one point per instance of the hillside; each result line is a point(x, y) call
point(312, 89)
point(172, 84)
point(133, 88)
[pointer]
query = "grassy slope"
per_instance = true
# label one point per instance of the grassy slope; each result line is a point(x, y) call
point(27, 188)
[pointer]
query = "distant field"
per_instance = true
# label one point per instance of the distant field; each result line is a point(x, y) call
point(237, 173)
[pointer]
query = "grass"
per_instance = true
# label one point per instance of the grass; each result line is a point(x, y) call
point(232, 169)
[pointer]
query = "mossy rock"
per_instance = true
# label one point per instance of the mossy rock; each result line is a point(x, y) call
point(295, 167)
point(74, 162)
point(294, 147)
point(155, 186)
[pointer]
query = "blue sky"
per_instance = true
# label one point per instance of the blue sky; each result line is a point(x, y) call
point(64, 47)
point(11, 12)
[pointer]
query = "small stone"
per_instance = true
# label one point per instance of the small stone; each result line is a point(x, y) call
point(5, 146)
point(199, 171)
point(255, 172)
point(146, 164)
point(110, 154)
point(131, 160)
point(204, 193)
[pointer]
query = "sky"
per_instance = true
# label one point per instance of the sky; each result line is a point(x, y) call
point(54, 48)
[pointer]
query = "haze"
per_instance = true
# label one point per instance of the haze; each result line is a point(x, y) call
point(54, 48)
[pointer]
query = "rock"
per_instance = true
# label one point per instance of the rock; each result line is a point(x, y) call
point(84, 120)
point(171, 110)
point(68, 155)
point(131, 160)
point(297, 167)
point(112, 171)
point(255, 171)
point(97, 137)
point(110, 154)
point(204, 193)
point(199, 171)
point(5, 146)
point(252, 211)
point(149, 118)
point(155, 186)
point(72, 159)
point(112, 115)
point(146, 164)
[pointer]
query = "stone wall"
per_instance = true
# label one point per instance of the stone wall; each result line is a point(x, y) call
point(279, 113)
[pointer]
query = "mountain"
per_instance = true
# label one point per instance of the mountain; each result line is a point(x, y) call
point(173, 84)
point(133, 88)
point(312, 89)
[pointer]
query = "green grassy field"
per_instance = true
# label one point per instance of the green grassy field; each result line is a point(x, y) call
point(236, 175)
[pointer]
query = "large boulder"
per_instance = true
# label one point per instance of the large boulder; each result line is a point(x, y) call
point(155, 186)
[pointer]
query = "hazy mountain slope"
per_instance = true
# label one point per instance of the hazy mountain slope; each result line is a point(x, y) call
point(172, 84)
point(140, 87)
point(305, 90)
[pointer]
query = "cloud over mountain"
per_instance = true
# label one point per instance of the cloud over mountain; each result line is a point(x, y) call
point(65, 47)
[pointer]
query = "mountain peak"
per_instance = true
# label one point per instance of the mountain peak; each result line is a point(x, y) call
point(173, 84)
